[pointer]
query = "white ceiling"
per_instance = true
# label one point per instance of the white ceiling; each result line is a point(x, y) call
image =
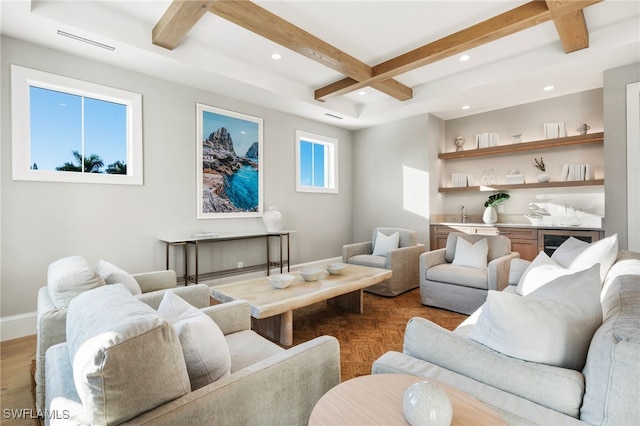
point(219, 56)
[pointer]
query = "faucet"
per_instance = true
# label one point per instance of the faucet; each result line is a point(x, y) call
point(463, 217)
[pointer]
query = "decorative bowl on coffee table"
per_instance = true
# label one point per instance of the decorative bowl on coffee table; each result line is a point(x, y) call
point(335, 268)
point(310, 274)
point(281, 280)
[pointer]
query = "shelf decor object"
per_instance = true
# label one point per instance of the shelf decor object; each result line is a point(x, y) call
point(543, 177)
point(490, 215)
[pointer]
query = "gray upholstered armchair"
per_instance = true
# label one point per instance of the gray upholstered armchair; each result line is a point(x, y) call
point(464, 289)
point(402, 260)
point(52, 319)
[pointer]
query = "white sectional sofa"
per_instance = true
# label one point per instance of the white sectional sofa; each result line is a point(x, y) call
point(606, 391)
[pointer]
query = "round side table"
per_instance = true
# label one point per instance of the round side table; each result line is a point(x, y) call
point(377, 399)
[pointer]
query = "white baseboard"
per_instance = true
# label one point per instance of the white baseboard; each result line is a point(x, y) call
point(15, 326)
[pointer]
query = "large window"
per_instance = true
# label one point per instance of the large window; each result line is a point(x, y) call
point(67, 130)
point(316, 163)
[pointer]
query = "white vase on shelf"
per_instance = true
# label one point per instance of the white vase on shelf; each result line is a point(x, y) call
point(490, 215)
point(544, 177)
point(272, 219)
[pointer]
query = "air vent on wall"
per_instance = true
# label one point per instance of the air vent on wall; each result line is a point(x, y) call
point(86, 40)
point(334, 116)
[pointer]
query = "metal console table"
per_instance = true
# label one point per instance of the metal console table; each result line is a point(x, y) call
point(197, 240)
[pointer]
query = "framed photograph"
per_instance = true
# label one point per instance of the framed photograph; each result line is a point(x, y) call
point(229, 164)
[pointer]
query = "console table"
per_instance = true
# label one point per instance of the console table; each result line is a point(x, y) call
point(209, 238)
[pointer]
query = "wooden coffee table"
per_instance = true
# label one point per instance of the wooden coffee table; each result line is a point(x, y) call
point(377, 400)
point(272, 309)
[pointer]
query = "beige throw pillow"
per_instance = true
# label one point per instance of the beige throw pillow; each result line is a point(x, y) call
point(68, 277)
point(471, 255)
point(111, 274)
point(552, 325)
point(385, 243)
point(205, 348)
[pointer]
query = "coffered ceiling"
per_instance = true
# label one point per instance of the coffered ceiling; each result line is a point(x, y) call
point(404, 55)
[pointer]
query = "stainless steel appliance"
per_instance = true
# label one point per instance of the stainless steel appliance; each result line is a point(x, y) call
point(550, 239)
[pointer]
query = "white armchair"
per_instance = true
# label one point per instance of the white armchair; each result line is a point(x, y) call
point(402, 260)
point(444, 284)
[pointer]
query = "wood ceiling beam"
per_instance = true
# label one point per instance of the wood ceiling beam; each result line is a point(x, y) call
point(510, 22)
point(270, 26)
point(571, 27)
point(177, 20)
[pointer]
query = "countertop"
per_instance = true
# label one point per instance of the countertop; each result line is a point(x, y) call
point(515, 225)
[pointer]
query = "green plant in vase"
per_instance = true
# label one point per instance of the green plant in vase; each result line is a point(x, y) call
point(490, 215)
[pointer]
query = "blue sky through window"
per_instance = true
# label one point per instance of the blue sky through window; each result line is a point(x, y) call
point(312, 167)
point(56, 128)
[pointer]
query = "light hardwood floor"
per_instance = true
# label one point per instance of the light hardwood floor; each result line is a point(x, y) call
point(16, 399)
point(363, 338)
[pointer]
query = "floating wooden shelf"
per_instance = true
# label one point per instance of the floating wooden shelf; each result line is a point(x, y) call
point(525, 146)
point(595, 182)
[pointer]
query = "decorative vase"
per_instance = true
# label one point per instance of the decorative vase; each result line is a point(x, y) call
point(425, 404)
point(490, 215)
point(544, 177)
point(272, 219)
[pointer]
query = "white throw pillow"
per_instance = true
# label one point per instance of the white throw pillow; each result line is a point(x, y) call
point(205, 349)
point(553, 325)
point(541, 271)
point(385, 243)
point(568, 251)
point(603, 252)
point(111, 274)
point(68, 277)
point(471, 255)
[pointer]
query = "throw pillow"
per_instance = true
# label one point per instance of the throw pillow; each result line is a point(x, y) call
point(541, 271)
point(568, 251)
point(385, 243)
point(552, 325)
point(205, 349)
point(517, 269)
point(603, 252)
point(471, 255)
point(68, 277)
point(111, 274)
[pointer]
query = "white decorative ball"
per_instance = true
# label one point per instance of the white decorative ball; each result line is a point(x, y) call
point(425, 404)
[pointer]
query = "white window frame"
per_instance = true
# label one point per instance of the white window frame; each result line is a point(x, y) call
point(331, 162)
point(22, 79)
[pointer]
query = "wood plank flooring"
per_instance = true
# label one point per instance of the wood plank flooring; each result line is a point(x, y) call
point(363, 338)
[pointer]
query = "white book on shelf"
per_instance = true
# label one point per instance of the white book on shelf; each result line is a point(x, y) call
point(588, 174)
point(565, 173)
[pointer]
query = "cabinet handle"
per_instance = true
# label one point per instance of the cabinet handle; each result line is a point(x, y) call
point(504, 233)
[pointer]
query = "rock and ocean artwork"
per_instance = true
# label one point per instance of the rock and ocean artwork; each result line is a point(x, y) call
point(230, 165)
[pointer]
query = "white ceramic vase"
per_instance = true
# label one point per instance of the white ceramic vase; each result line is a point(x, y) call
point(272, 219)
point(544, 177)
point(490, 215)
point(425, 404)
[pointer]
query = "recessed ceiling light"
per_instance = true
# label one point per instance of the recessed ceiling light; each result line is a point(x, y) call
point(548, 88)
point(362, 93)
point(464, 58)
point(466, 107)
point(276, 56)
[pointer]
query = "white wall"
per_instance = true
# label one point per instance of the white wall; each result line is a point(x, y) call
point(615, 119)
point(42, 222)
point(392, 175)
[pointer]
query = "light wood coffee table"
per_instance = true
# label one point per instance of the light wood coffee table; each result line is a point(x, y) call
point(377, 400)
point(272, 309)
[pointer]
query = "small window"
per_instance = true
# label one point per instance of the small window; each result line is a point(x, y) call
point(67, 130)
point(316, 163)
